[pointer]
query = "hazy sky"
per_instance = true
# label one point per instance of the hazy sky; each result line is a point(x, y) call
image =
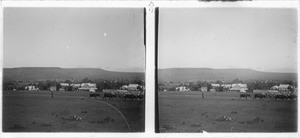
point(107, 38)
point(260, 39)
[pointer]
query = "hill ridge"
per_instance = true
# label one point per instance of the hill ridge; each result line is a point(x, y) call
point(209, 74)
point(52, 73)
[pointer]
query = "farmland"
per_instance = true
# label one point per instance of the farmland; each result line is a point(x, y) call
point(36, 111)
point(224, 112)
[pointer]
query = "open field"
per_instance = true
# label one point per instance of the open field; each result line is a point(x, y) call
point(224, 112)
point(36, 111)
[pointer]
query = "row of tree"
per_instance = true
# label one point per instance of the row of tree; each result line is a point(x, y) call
point(193, 86)
point(251, 85)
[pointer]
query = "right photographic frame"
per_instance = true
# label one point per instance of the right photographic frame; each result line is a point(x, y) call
point(227, 70)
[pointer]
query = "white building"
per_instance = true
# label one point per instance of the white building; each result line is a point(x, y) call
point(215, 85)
point(91, 87)
point(238, 87)
point(182, 88)
point(31, 88)
point(283, 87)
point(274, 87)
point(64, 84)
point(132, 87)
point(75, 85)
point(204, 89)
point(124, 87)
point(226, 86)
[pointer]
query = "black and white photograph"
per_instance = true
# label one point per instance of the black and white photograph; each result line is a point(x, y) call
point(74, 69)
point(154, 68)
point(227, 70)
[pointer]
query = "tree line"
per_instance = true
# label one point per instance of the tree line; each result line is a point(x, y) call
point(251, 85)
point(45, 85)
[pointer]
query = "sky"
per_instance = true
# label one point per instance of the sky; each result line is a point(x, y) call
point(106, 38)
point(253, 38)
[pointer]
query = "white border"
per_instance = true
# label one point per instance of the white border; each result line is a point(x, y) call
point(156, 3)
point(150, 49)
point(240, 4)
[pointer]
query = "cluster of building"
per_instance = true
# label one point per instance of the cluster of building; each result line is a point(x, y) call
point(182, 88)
point(282, 87)
point(131, 87)
point(89, 87)
point(31, 88)
point(126, 88)
point(237, 87)
point(92, 87)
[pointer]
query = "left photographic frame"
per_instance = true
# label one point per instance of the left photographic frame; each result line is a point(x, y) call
point(73, 69)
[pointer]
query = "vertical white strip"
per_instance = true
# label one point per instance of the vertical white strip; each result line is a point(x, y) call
point(150, 71)
point(1, 61)
point(298, 69)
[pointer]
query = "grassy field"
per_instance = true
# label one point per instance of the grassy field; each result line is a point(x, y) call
point(36, 111)
point(224, 112)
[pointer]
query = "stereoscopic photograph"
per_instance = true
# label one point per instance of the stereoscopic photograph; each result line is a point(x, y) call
point(73, 70)
point(227, 70)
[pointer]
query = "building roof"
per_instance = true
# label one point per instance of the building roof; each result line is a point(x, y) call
point(215, 85)
point(124, 86)
point(76, 85)
point(64, 84)
point(203, 88)
point(31, 87)
point(275, 87)
point(133, 85)
point(283, 86)
point(89, 85)
point(226, 85)
point(239, 85)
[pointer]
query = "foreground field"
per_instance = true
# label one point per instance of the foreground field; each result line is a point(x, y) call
point(25, 111)
point(224, 112)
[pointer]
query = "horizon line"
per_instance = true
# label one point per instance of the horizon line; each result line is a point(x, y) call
point(76, 68)
point(226, 68)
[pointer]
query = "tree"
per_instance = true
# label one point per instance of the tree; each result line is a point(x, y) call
point(219, 82)
point(69, 88)
point(86, 80)
point(237, 81)
point(209, 87)
point(68, 81)
point(220, 89)
point(58, 86)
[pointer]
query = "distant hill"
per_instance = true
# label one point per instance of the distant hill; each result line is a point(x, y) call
point(208, 74)
point(77, 74)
